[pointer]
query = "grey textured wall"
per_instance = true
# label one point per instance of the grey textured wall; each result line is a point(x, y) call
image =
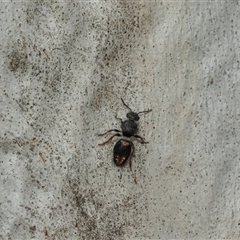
point(65, 66)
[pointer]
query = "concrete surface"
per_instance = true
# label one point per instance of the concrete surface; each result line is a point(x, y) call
point(65, 66)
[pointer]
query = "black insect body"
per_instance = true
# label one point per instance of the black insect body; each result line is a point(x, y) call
point(129, 128)
point(124, 149)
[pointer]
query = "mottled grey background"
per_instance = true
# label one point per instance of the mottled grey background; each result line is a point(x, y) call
point(64, 67)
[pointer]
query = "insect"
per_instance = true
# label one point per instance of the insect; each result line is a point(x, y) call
point(124, 149)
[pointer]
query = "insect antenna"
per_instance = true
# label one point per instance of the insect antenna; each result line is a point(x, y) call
point(146, 111)
point(126, 105)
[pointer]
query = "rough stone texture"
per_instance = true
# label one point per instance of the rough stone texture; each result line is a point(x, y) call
point(65, 66)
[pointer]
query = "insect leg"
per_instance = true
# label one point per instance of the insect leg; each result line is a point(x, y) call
point(143, 141)
point(130, 158)
point(111, 130)
point(119, 119)
point(101, 144)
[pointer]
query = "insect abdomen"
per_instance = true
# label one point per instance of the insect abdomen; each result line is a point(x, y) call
point(123, 149)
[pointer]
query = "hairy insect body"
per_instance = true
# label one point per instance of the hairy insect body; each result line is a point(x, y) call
point(124, 149)
point(133, 116)
point(129, 128)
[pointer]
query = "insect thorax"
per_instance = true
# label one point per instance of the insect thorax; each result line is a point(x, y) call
point(129, 128)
